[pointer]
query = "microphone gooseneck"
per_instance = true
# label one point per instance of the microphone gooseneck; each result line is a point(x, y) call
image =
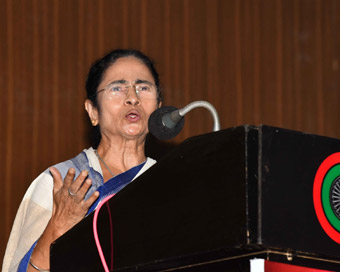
point(203, 104)
point(166, 122)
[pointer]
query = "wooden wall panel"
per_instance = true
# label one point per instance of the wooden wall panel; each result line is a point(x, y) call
point(257, 61)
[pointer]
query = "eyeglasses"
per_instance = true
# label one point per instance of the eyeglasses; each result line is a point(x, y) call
point(119, 89)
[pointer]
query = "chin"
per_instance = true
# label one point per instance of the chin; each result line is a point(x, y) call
point(135, 131)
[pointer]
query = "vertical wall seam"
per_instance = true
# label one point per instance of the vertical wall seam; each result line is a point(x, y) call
point(36, 89)
point(297, 59)
point(186, 59)
point(55, 90)
point(279, 49)
point(238, 63)
point(10, 118)
point(256, 69)
point(143, 25)
point(80, 63)
point(319, 66)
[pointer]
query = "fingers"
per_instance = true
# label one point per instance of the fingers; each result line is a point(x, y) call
point(91, 200)
point(78, 187)
point(73, 188)
point(57, 179)
point(69, 177)
point(84, 188)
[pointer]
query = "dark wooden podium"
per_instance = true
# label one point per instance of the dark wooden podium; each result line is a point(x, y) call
point(211, 204)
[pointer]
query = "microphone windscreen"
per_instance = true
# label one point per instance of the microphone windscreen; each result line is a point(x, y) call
point(158, 129)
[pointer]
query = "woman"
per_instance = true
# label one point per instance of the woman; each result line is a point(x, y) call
point(122, 92)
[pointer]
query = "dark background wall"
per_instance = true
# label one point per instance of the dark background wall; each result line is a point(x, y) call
point(257, 61)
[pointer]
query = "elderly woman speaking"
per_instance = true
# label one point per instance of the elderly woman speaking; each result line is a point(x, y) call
point(122, 92)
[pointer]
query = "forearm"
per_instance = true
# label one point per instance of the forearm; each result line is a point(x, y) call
point(41, 253)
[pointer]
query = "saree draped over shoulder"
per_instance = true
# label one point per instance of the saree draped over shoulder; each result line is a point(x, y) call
point(35, 209)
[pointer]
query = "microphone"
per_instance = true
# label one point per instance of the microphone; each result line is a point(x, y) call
point(166, 122)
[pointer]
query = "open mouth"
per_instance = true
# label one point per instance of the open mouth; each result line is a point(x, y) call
point(133, 116)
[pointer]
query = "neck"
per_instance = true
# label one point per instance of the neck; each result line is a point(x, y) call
point(120, 157)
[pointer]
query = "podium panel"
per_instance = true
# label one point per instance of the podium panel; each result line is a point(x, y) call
point(211, 204)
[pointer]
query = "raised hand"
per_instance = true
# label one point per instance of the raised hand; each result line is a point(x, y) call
point(69, 205)
point(69, 208)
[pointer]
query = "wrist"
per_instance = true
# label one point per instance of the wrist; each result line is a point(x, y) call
point(36, 267)
point(55, 230)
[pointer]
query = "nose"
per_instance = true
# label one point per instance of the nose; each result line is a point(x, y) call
point(131, 97)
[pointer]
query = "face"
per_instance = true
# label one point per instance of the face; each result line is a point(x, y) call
point(125, 116)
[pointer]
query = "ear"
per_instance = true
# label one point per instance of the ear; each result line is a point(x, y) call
point(92, 111)
point(160, 104)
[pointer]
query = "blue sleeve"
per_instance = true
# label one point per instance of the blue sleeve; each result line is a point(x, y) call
point(25, 260)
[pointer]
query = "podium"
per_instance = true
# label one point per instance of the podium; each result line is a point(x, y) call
point(211, 204)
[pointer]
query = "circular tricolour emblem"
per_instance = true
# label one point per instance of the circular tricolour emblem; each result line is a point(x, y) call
point(326, 196)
